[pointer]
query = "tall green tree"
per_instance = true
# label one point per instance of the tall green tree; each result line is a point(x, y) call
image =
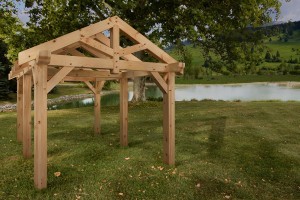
point(218, 26)
point(4, 68)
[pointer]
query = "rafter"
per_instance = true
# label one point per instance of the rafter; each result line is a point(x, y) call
point(132, 49)
point(139, 38)
point(94, 52)
point(65, 40)
point(98, 46)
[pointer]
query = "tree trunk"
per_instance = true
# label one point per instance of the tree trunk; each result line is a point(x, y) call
point(139, 84)
point(139, 89)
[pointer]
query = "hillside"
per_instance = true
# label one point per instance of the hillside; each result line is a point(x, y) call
point(289, 56)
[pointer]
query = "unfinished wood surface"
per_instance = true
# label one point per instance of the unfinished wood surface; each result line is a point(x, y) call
point(40, 122)
point(20, 109)
point(139, 38)
point(92, 88)
point(64, 40)
point(169, 121)
point(98, 46)
point(160, 82)
point(132, 74)
point(94, 52)
point(78, 61)
point(19, 71)
point(97, 107)
point(103, 59)
point(132, 49)
point(124, 111)
point(115, 44)
point(84, 73)
point(58, 77)
point(78, 79)
point(100, 63)
point(142, 66)
point(27, 116)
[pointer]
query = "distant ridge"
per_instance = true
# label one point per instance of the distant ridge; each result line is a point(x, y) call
point(274, 23)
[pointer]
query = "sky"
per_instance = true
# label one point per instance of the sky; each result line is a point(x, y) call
point(290, 11)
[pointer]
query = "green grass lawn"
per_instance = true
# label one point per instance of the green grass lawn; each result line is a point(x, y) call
point(224, 150)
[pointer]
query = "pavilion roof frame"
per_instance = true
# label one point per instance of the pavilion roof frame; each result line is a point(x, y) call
point(52, 62)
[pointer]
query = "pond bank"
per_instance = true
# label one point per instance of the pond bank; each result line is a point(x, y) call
point(65, 98)
point(50, 102)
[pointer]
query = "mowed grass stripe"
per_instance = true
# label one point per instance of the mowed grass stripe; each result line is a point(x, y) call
point(237, 150)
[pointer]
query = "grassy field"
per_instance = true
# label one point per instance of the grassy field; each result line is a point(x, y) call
point(284, 48)
point(224, 150)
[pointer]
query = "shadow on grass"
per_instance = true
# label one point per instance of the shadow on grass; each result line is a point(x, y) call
point(216, 136)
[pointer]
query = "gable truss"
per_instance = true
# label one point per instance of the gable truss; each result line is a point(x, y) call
point(89, 56)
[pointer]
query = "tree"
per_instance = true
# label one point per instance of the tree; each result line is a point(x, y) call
point(218, 26)
point(268, 56)
point(4, 66)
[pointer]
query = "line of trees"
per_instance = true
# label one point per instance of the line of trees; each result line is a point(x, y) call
point(221, 27)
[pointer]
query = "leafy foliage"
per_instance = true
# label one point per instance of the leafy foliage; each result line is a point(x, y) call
point(210, 23)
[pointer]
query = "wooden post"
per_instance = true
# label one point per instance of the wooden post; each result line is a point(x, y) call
point(169, 121)
point(40, 120)
point(27, 116)
point(20, 109)
point(115, 45)
point(97, 107)
point(124, 110)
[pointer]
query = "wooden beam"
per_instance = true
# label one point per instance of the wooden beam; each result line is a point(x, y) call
point(177, 67)
point(98, 46)
point(105, 40)
point(132, 74)
point(97, 107)
point(84, 73)
point(92, 88)
point(79, 79)
point(94, 52)
point(102, 38)
point(64, 50)
point(65, 40)
point(22, 69)
point(142, 66)
point(169, 121)
point(74, 52)
point(77, 61)
point(20, 109)
point(139, 38)
point(132, 49)
point(160, 82)
point(173, 66)
point(58, 77)
point(115, 44)
point(124, 111)
point(40, 120)
point(100, 63)
point(27, 116)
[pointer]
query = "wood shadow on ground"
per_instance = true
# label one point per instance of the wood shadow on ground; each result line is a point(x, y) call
point(216, 136)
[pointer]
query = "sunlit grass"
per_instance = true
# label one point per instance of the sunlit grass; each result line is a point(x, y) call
point(230, 150)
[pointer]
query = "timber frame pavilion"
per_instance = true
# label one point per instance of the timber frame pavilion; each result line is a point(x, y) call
point(52, 62)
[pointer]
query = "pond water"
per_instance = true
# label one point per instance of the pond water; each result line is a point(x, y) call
point(242, 92)
point(226, 92)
